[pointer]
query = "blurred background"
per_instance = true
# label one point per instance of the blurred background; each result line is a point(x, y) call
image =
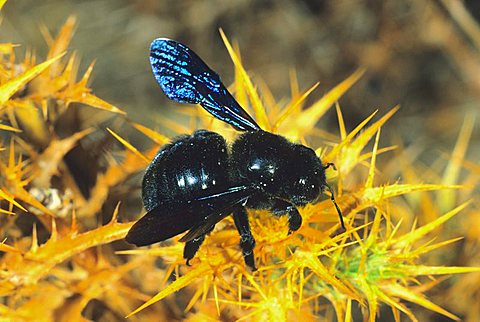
point(423, 55)
point(420, 54)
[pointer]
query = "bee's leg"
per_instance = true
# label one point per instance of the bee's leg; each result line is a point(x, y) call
point(192, 246)
point(247, 242)
point(281, 208)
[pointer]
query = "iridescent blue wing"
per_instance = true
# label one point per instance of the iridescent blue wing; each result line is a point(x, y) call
point(185, 78)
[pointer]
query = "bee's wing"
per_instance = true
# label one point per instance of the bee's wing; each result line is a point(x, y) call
point(184, 77)
point(207, 225)
point(203, 228)
point(174, 217)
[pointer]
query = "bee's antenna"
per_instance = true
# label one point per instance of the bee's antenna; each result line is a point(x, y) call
point(336, 206)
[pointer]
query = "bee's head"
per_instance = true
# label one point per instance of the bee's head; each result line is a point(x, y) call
point(306, 176)
point(310, 181)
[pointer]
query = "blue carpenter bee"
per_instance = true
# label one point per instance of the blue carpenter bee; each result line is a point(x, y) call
point(197, 180)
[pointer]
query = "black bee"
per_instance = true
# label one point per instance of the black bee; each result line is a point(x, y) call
point(197, 180)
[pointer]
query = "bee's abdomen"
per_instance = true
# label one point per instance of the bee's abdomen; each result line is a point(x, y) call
point(190, 167)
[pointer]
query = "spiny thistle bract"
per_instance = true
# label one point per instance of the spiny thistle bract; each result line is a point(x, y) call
point(315, 273)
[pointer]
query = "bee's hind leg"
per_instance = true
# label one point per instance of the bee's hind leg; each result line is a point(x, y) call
point(192, 246)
